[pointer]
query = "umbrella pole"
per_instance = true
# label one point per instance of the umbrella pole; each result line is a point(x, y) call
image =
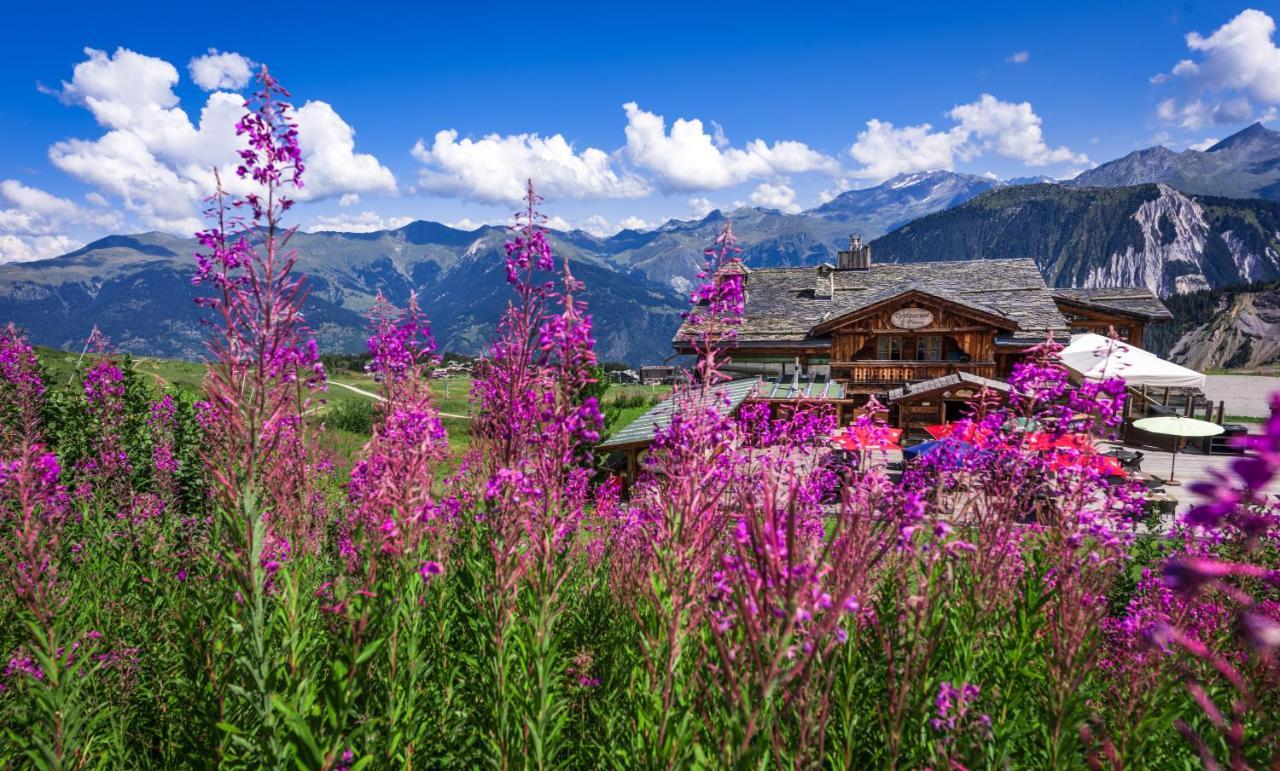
point(1173, 461)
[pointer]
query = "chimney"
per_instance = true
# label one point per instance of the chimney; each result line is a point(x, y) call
point(824, 282)
point(858, 256)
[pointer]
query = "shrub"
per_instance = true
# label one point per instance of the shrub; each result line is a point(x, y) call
point(353, 415)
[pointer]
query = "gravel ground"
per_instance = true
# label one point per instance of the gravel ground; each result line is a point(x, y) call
point(1244, 394)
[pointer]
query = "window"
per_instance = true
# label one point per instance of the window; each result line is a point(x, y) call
point(929, 348)
point(889, 348)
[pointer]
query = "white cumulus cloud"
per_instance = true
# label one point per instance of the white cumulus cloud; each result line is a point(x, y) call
point(495, 168)
point(466, 223)
point(701, 207)
point(364, 222)
point(885, 150)
point(688, 158)
point(217, 71)
point(1234, 68)
point(1239, 55)
point(597, 225)
point(32, 211)
point(986, 126)
point(1019, 57)
point(33, 222)
point(1009, 130)
point(17, 249)
point(158, 162)
point(772, 196)
point(635, 223)
point(1195, 114)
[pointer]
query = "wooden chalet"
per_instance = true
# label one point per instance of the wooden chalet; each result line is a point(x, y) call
point(886, 329)
point(1126, 310)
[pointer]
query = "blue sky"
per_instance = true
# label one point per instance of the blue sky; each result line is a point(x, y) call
point(436, 111)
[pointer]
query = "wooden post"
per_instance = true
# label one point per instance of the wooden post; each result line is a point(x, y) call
point(633, 465)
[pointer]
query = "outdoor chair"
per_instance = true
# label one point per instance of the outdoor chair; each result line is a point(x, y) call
point(1130, 460)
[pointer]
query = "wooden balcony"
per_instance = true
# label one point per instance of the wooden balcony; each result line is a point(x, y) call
point(892, 373)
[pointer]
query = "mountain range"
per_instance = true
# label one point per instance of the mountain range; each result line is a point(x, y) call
point(1244, 165)
point(1120, 226)
point(1144, 235)
point(136, 288)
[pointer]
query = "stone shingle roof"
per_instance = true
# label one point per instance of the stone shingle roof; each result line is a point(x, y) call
point(781, 306)
point(797, 387)
point(725, 397)
point(947, 381)
point(1132, 301)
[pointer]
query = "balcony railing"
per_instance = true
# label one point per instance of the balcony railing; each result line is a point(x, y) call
point(874, 372)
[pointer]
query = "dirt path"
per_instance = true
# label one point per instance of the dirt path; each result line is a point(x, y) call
point(372, 395)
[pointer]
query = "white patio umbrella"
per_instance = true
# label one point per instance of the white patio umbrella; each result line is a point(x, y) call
point(1097, 357)
point(1175, 425)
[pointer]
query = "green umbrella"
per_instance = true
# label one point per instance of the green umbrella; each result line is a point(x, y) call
point(1021, 424)
point(1174, 425)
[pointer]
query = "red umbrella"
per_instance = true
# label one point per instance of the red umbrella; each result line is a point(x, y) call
point(971, 433)
point(1109, 467)
point(856, 438)
point(940, 431)
point(1079, 442)
point(1073, 459)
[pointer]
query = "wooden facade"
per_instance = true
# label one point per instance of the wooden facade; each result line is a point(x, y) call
point(1122, 312)
point(873, 348)
point(1084, 319)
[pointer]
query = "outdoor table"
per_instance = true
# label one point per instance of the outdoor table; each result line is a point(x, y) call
point(1130, 459)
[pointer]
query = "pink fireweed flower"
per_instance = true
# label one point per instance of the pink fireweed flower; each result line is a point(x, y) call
point(533, 423)
point(264, 365)
point(391, 483)
point(33, 508)
point(430, 570)
point(162, 422)
point(21, 388)
point(108, 469)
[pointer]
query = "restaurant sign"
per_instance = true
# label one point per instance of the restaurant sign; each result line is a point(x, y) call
point(911, 318)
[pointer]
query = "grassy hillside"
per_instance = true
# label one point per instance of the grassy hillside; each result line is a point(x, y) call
point(346, 408)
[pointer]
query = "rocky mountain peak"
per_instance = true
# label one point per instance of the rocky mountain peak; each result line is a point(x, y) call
point(1255, 137)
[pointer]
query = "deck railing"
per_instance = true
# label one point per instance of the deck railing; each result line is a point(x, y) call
point(898, 372)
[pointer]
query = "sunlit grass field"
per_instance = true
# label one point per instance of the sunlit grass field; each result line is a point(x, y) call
point(452, 395)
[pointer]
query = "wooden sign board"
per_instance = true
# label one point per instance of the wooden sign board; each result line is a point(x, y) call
point(911, 318)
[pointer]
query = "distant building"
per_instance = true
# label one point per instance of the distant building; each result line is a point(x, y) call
point(657, 374)
point(910, 328)
point(624, 376)
point(452, 369)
